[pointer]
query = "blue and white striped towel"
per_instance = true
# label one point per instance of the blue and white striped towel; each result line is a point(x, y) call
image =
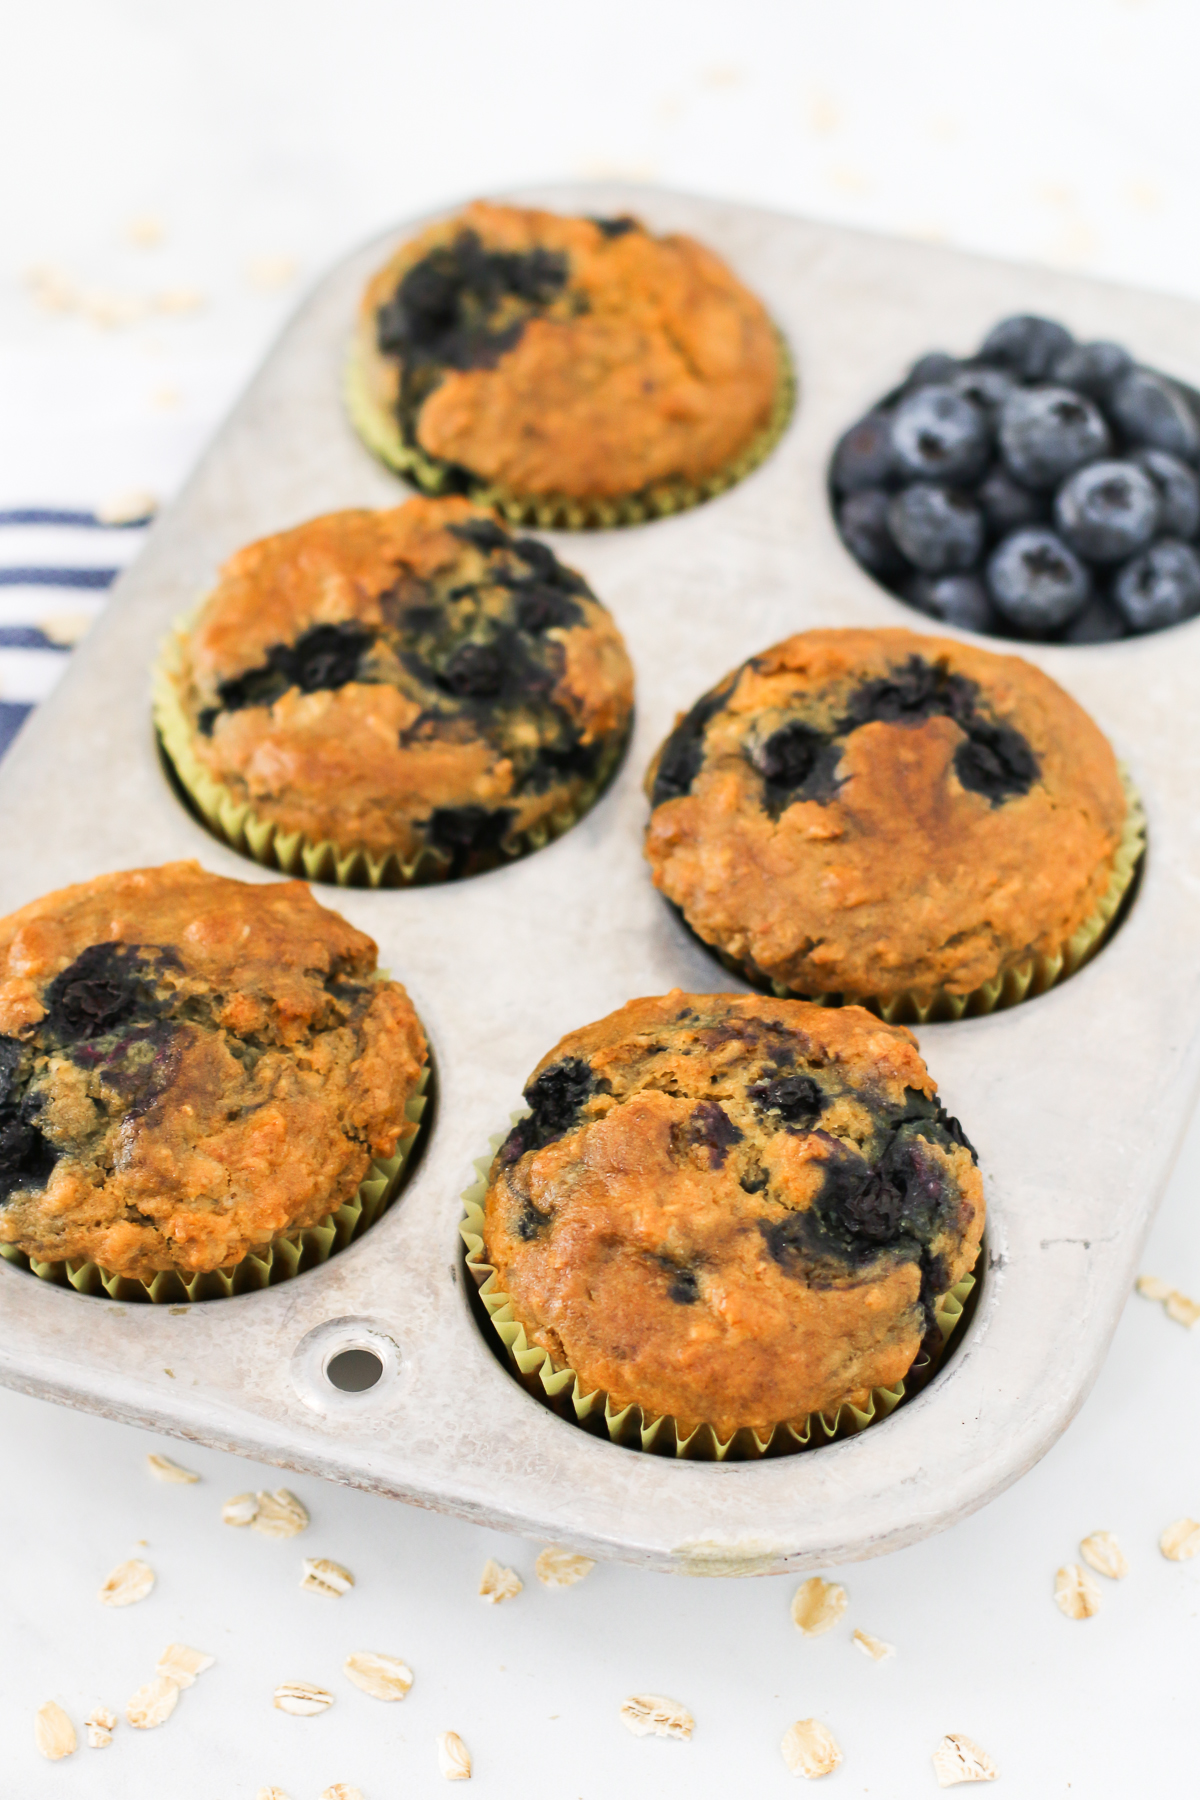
point(55, 569)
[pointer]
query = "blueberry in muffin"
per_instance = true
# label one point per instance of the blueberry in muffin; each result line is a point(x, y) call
point(572, 370)
point(732, 1210)
point(1058, 478)
point(415, 685)
point(896, 820)
point(190, 1068)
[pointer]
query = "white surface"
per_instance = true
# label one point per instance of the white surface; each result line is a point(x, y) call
point(1061, 132)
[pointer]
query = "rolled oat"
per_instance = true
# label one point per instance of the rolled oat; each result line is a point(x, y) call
point(1075, 1593)
point(810, 1749)
point(383, 1677)
point(454, 1759)
point(153, 1704)
point(817, 1606)
point(128, 1582)
point(958, 1759)
point(53, 1732)
point(558, 1568)
point(653, 1715)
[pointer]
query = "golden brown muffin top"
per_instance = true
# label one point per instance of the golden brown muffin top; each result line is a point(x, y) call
point(871, 813)
point(581, 357)
point(189, 1067)
point(413, 680)
point(731, 1209)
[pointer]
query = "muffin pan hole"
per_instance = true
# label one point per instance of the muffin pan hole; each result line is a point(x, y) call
point(345, 1364)
point(354, 1371)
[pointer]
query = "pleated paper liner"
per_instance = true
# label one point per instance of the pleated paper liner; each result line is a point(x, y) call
point(288, 1256)
point(558, 1387)
point(237, 824)
point(1025, 982)
point(380, 431)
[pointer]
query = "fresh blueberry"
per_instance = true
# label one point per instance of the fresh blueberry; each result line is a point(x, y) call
point(863, 458)
point(1108, 511)
point(1007, 505)
point(939, 436)
point(985, 387)
point(935, 368)
point(1036, 581)
point(1178, 491)
point(1151, 410)
point(960, 600)
point(937, 528)
point(1092, 369)
point(1099, 623)
point(1160, 587)
point(863, 523)
point(1027, 345)
point(1047, 433)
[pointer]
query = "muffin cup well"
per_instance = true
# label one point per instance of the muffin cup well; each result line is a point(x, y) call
point(237, 824)
point(558, 1386)
point(381, 434)
point(290, 1254)
point(1025, 982)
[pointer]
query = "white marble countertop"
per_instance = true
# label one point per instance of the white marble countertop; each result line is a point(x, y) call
point(252, 144)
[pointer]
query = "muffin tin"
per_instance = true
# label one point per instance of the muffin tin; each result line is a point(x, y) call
point(1077, 1100)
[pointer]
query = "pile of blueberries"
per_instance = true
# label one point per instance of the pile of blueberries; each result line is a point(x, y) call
point(1039, 489)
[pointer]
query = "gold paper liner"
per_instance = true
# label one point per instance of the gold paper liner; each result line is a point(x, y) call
point(290, 1254)
point(237, 824)
point(558, 1386)
point(1025, 982)
point(380, 432)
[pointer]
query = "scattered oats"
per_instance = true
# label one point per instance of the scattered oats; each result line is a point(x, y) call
point(653, 1715)
point(109, 310)
point(1075, 1593)
point(67, 629)
point(497, 1584)
point(241, 1510)
point(153, 1704)
point(873, 1647)
point(179, 300)
point(958, 1759)
point(145, 230)
point(454, 1759)
point(128, 1582)
point(53, 1732)
point(269, 273)
point(52, 289)
point(100, 1724)
point(1180, 1541)
point(341, 1790)
point(163, 1469)
point(810, 1749)
point(383, 1677)
point(125, 508)
point(817, 1605)
point(279, 1515)
point(302, 1698)
point(1102, 1552)
point(1177, 1306)
point(558, 1568)
point(181, 1664)
point(321, 1576)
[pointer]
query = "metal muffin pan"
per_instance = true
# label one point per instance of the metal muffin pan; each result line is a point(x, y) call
point(1077, 1100)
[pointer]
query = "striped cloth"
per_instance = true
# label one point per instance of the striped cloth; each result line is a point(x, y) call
point(55, 569)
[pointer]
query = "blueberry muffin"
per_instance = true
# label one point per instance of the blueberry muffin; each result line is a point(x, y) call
point(732, 1210)
point(411, 693)
point(1041, 488)
point(190, 1068)
point(573, 371)
point(891, 819)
